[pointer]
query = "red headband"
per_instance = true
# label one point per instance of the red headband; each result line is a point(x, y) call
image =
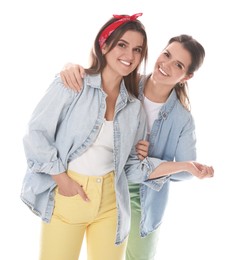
point(112, 27)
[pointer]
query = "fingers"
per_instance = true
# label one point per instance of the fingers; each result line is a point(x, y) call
point(141, 157)
point(72, 76)
point(142, 148)
point(79, 75)
point(141, 154)
point(82, 193)
point(67, 80)
point(143, 143)
point(208, 171)
point(202, 171)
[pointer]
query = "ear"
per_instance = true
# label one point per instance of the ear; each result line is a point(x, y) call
point(187, 77)
point(104, 49)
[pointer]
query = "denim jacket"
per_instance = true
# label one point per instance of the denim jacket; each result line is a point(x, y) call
point(172, 138)
point(64, 125)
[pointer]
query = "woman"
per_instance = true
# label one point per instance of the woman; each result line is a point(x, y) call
point(171, 133)
point(76, 148)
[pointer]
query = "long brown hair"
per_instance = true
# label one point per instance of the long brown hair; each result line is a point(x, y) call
point(98, 61)
point(197, 53)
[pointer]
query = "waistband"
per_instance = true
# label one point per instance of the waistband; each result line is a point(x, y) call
point(83, 179)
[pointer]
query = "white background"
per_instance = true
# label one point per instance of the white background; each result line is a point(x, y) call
point(39, 37)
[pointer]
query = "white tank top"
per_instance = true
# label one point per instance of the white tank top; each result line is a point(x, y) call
point(98, 159)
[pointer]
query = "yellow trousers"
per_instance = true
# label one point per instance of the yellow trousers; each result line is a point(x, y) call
point(62, 238)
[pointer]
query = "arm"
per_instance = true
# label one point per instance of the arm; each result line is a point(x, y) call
point(185, 165)
point(72, 75)
point(199, 170)
point(68, 187)
point(39, 142)
point(157, 171)
point(185, 147)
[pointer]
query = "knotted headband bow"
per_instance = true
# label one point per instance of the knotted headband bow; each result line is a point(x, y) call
point(113, 26)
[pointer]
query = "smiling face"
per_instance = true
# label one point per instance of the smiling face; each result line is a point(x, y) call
point(126, 55)
point(172, 65)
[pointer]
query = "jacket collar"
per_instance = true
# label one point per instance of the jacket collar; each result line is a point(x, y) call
point(95, 81)
point(168, 105)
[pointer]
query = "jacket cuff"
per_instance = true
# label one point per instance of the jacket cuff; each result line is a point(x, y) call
point(51, 168)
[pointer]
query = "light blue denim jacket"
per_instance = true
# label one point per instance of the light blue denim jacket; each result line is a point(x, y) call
point(172, 139)
point(64, 125)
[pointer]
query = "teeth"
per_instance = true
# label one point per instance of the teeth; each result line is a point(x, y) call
point(163, 72)
point(125, 62)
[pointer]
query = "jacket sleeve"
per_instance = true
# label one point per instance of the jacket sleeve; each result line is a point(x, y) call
point(39, 141)
point(186, 149)
point(138, 171)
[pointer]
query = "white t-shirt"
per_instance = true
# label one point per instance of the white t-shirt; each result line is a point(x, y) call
point(98, 159)
point(152, 111)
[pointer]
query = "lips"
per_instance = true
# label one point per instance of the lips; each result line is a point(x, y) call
point(125, 62)
point(162, 71)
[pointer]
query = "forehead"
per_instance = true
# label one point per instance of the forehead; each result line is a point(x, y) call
point(179, 53)
point(133, 38)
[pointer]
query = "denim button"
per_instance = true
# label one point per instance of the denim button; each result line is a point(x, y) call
point(98, 180)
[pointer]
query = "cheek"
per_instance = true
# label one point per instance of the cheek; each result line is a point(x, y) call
point(155, 69)
point(178, 75)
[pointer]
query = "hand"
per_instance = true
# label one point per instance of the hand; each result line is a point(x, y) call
point(198, 170)
point(68, 187)
point(201, 171)
point(142, 148)
point(72, 75)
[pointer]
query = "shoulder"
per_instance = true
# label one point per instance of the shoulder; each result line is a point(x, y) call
point(142, 81)
point(93, 80)
point(57, 88)
point(181, 114)
point(173, 105)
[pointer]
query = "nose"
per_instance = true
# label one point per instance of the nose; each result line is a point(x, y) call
point(129, 54)
point(167, 63)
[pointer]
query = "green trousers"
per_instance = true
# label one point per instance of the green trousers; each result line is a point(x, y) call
point(139, 248)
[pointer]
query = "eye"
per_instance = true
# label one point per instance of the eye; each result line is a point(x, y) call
point(139, 50)
point(180, 66)
point(166, 54)
point(121, 44)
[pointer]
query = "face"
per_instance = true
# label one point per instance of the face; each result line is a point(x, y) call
point(172, 65)
point(126, 55)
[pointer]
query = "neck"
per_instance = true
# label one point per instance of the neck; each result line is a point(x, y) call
point(110, 81)
point(111, 86)
point(156, 92)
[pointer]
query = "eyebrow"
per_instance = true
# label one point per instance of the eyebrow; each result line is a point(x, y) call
point(139, 46)
point(177, 60)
